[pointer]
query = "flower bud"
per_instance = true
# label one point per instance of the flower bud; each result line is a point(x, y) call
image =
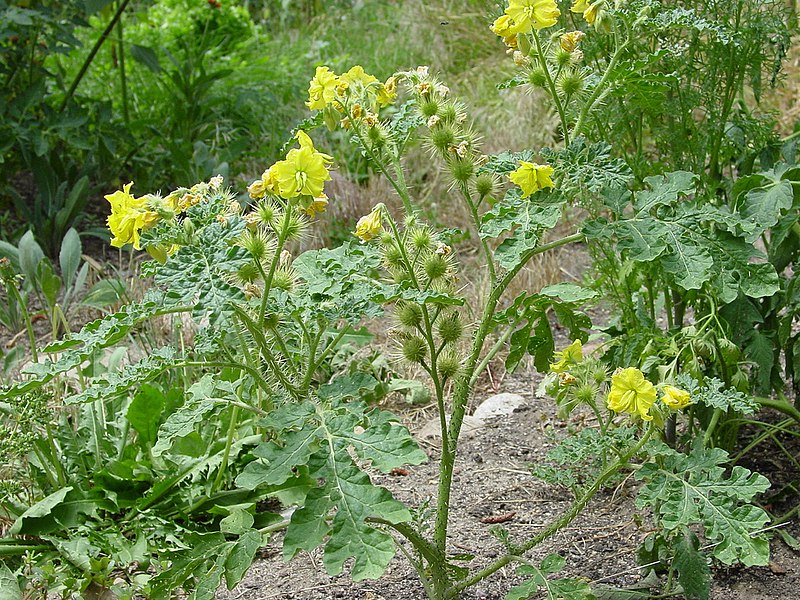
point(524, 43)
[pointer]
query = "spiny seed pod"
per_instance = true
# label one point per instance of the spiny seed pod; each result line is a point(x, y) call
point(256, 243)
point(413, 349)
point(599, 375)
point(462, 169)
point(448, 364)
point(296, 227)
point(571, 83)
point(484, 185)
point(386, 238)
point(562, 57)
point(435, 267)
point(442, 138)
point(409, 314)
point(393, 257)
point(272, 320)
point(268, 214)
point(284, 279)
point(421, 238)
point(377, 135)
point(537, 77)
point(429, 108)
point(450, 328)
point(248, 273)
point(585, 393)
point(453, 113)
point(400, 275)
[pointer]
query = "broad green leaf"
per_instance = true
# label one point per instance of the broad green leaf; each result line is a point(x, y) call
point(664, 190)
point(144, 413)
point(241, 557)
point(687, 490)
point(588, 166)
point(238, 522)
point(568, 292)
point(40, 512)
point(281, 459)
point(49, 283)
point(9, 588)
point(202, 561)
point(70, 255)
point(30, 254)
point(694, 574)
point(201, 399)
point(764, 206)
point(384, 441)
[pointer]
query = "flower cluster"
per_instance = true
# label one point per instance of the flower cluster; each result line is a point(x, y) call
point(354, 96)
point(302, 174)
point(130, 216)
point(632, 393)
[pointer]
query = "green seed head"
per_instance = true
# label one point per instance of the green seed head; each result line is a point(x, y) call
point(268, 214)
point(484, 185)
point(450, 328)
point(429, 108)
point(413, 348)
point(585, 393)
point(442, 138)
point(537, 78)
point(284, 279)
point(462, 169)
point(448, 364)
point(409, 314)
point(296, 227)
point(421, 238)
point(435, 267)
point(248, 273)
point(571, 83)
point(393, 257)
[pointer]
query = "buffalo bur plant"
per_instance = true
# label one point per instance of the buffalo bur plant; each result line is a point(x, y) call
point(121, 483)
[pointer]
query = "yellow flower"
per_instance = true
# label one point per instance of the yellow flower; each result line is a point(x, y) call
point(302, 173)
point(569, 41)
point(504, 26)
point(533, 14)
point(257, 189)
point(532, 177)
point(317, 205)
point(129, 216)
point(571, 355)
point(305, 142)
point(369, 226)
point(322, 88)
point(631, 392)
point(270, 181)
point(357, 76)
point(676, 398)
point(589, 11)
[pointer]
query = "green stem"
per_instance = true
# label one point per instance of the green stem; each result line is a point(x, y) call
point(400, 189)
point(226, 455)
point(565, 519)
point(496, 347)
point(477, 222)
point(123, 79)
point(92, 53)
point(287, 215)
point(551, 84)
point(600, 89)
point(712, 426)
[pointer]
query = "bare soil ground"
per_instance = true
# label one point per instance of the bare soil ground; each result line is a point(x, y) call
point(492, 479)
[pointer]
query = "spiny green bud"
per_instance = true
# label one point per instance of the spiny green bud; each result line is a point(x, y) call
point(268, 214)
point(413, 348)
point(562, 57)
point(248, 273)
point(450, 328)
point(421, 238)
point(585, 393)
point(400, 275)
point(462, 169)
point(409, 314)
point(571, 83)
point(256, 244)
point(271, 320)
point(452, 113)
point(393, 257)
point(442, 138)
point(435, 266)
point(284, 279)
point(448, 364)
point(296, 227)
point(484, 185)
point(537, 77)
point(377, 135)
point(429, 108)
